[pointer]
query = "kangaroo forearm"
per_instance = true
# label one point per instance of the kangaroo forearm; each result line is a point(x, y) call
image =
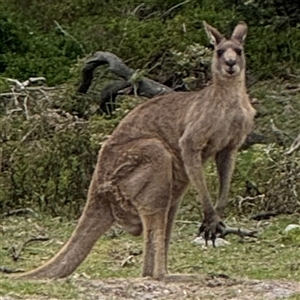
point(197, 179)
point(225, 161)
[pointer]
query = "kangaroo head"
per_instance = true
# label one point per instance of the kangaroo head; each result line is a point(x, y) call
point(228, 60)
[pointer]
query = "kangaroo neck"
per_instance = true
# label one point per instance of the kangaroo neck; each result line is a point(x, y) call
point(232, 85)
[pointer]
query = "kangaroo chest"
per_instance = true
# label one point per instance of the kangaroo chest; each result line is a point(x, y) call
point(229, 129)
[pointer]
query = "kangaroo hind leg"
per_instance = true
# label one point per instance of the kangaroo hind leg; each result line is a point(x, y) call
point(150, 188)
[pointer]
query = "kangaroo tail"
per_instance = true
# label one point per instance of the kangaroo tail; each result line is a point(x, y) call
point(95, 220)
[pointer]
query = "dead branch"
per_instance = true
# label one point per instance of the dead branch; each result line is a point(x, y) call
point(147, 87)
point(17, 252)
point(252, 139)
point(111, 91)
point(238, 231)
point(227, 230)
point(249, 200)
point(20, 86)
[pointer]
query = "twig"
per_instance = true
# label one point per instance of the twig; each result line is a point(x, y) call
point(31, 80)
point(187, 222)
point(6, 270)
point(16, 253)
point(46, 88)
point(69, 35)
point(22, 140)
point(9, 112)
point(19, 211)
point(174, 7)
point(277, 131)
point(248, 198)
point(127, 261)
point(25, 107)
point(16, 82)
point(16, 102)
point(291, 91)
point(10, 94)
point(137, 8)
point(295, 145)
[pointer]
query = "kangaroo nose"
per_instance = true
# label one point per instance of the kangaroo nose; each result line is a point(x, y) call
point(230, 62)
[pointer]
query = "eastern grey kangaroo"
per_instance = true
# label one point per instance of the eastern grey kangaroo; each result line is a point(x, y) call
point(145, 166)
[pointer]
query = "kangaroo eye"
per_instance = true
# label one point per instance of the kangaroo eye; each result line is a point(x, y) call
point(220, 52)
point(238, 51)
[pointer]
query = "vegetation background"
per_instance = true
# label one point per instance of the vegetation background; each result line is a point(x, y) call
point(50, 137)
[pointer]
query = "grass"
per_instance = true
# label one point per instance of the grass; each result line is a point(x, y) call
point(273, 255)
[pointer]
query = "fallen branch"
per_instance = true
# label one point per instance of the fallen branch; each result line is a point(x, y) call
point(146, 87)
point(16, 253)
point(232, 230)
point(252, 139)
point(227, 230)
point(238, 231)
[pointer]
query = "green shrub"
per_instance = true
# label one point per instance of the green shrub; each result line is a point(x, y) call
point(143, 33)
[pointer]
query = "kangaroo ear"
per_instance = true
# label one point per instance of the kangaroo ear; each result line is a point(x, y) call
point(240, 32)
point(213, 34)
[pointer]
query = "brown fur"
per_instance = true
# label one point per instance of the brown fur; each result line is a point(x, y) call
point(146, 165)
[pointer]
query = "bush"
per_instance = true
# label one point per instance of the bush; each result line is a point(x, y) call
point(48, 154)
point(144, 33)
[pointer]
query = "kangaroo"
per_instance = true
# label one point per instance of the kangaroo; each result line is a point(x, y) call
point(146, 165)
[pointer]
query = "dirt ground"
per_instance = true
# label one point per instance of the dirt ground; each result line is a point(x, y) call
point(208, 288)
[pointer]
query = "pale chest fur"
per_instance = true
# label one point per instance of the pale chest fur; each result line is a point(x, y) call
point(229, 126)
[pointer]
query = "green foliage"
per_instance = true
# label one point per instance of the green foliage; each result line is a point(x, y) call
point(48, 153)
point(25, 52)
point(292, 237)
point(144, 33)
point(47, 157)
point(277, 13)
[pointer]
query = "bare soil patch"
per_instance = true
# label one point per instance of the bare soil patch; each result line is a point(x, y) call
point(208, 288)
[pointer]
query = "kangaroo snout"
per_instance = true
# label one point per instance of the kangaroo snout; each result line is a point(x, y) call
point(230, 62)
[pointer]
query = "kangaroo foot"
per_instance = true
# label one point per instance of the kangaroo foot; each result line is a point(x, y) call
point(211, 226)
